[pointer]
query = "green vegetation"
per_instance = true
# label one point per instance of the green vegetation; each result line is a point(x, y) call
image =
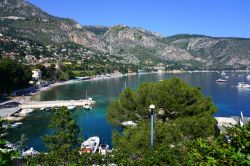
point(175, 97)
point(218, 152)
point(63, 144)
point(184, 135)
point(185, 115)
point(13, 75)
point(5, 154)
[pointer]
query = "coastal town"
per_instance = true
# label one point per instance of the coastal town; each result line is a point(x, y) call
point(124, 83)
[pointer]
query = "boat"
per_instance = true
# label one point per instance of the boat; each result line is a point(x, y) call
point(16, 124)
point(103, 149)
point(10, 146)
point(87, 105)
point(223, 73)
point(243, 85)
point(71, 107)
point(221, 80)
point(129, 123)
point(30, 152)
point(25, 112)
point(90, 145)
point(108, 75)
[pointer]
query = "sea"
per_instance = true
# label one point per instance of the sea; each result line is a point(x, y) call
point(229, 100)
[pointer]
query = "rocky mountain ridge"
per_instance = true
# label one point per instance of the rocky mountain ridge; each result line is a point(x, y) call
point(19, 18)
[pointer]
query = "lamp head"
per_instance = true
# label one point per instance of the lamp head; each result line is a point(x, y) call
point(151, 107)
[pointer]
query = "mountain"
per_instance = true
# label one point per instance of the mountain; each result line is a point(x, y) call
point(20, 19)
point(215, 52)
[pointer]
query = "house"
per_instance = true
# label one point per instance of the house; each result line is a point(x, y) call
point(36, 74)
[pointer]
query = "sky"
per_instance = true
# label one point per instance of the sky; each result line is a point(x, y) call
point(221, 18)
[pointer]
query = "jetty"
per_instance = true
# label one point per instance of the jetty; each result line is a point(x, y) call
point(9, 109)
point(56, 103)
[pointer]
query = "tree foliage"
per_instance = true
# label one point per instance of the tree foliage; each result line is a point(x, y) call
point(175, 97)
point(13, 75)
point(64, 143)
point(186, 116)
point(220, 152)
point(5, 154)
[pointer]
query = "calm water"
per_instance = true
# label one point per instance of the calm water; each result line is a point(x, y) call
point(229, 100)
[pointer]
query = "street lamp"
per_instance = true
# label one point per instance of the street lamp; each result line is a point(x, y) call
point(151, 110)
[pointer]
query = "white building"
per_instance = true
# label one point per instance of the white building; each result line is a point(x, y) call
point(36, 74)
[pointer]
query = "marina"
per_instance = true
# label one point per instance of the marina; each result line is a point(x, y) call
point(228, 99)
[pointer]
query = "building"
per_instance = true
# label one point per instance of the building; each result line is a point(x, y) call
point(36, 74)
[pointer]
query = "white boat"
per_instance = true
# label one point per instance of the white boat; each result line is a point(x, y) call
point(10, 146)
point(221, 80)
point(86, 106)
point(129, 123)
point(30, 152)
point(16, 124)
point(90, 145)
point(103, 149)
point(108, 75)
point(243, 85)
point(25, 112)
point(71, 107)
point(223, 73)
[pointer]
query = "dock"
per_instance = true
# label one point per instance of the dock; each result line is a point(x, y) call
point(9, 109)
point(57, 103)
point(6, 112)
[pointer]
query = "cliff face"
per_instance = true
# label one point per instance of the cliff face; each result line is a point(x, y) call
point(19, 18)
point(215, 52)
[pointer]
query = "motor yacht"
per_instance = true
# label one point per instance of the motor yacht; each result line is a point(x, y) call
point(71, 107)
point(243, 85)
point(30, 152)
point(90, 145)
point(221, 80)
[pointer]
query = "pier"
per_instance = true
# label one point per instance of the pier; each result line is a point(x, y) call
point(57, 103)
point(9, 109)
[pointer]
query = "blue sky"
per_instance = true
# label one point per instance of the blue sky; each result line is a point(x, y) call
point(168, 17)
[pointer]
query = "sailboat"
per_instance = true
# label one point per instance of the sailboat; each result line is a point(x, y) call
point(86, 105)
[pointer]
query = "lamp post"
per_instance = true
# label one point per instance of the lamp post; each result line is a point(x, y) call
point(151, 110)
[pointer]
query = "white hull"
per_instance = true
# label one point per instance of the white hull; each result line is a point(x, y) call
point(243, 85)
point(90, 145)
point(71, 107)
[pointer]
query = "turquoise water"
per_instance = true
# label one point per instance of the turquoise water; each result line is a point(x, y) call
point(229, 100)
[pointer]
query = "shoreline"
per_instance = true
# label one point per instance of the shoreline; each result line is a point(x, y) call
point(25, 98)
